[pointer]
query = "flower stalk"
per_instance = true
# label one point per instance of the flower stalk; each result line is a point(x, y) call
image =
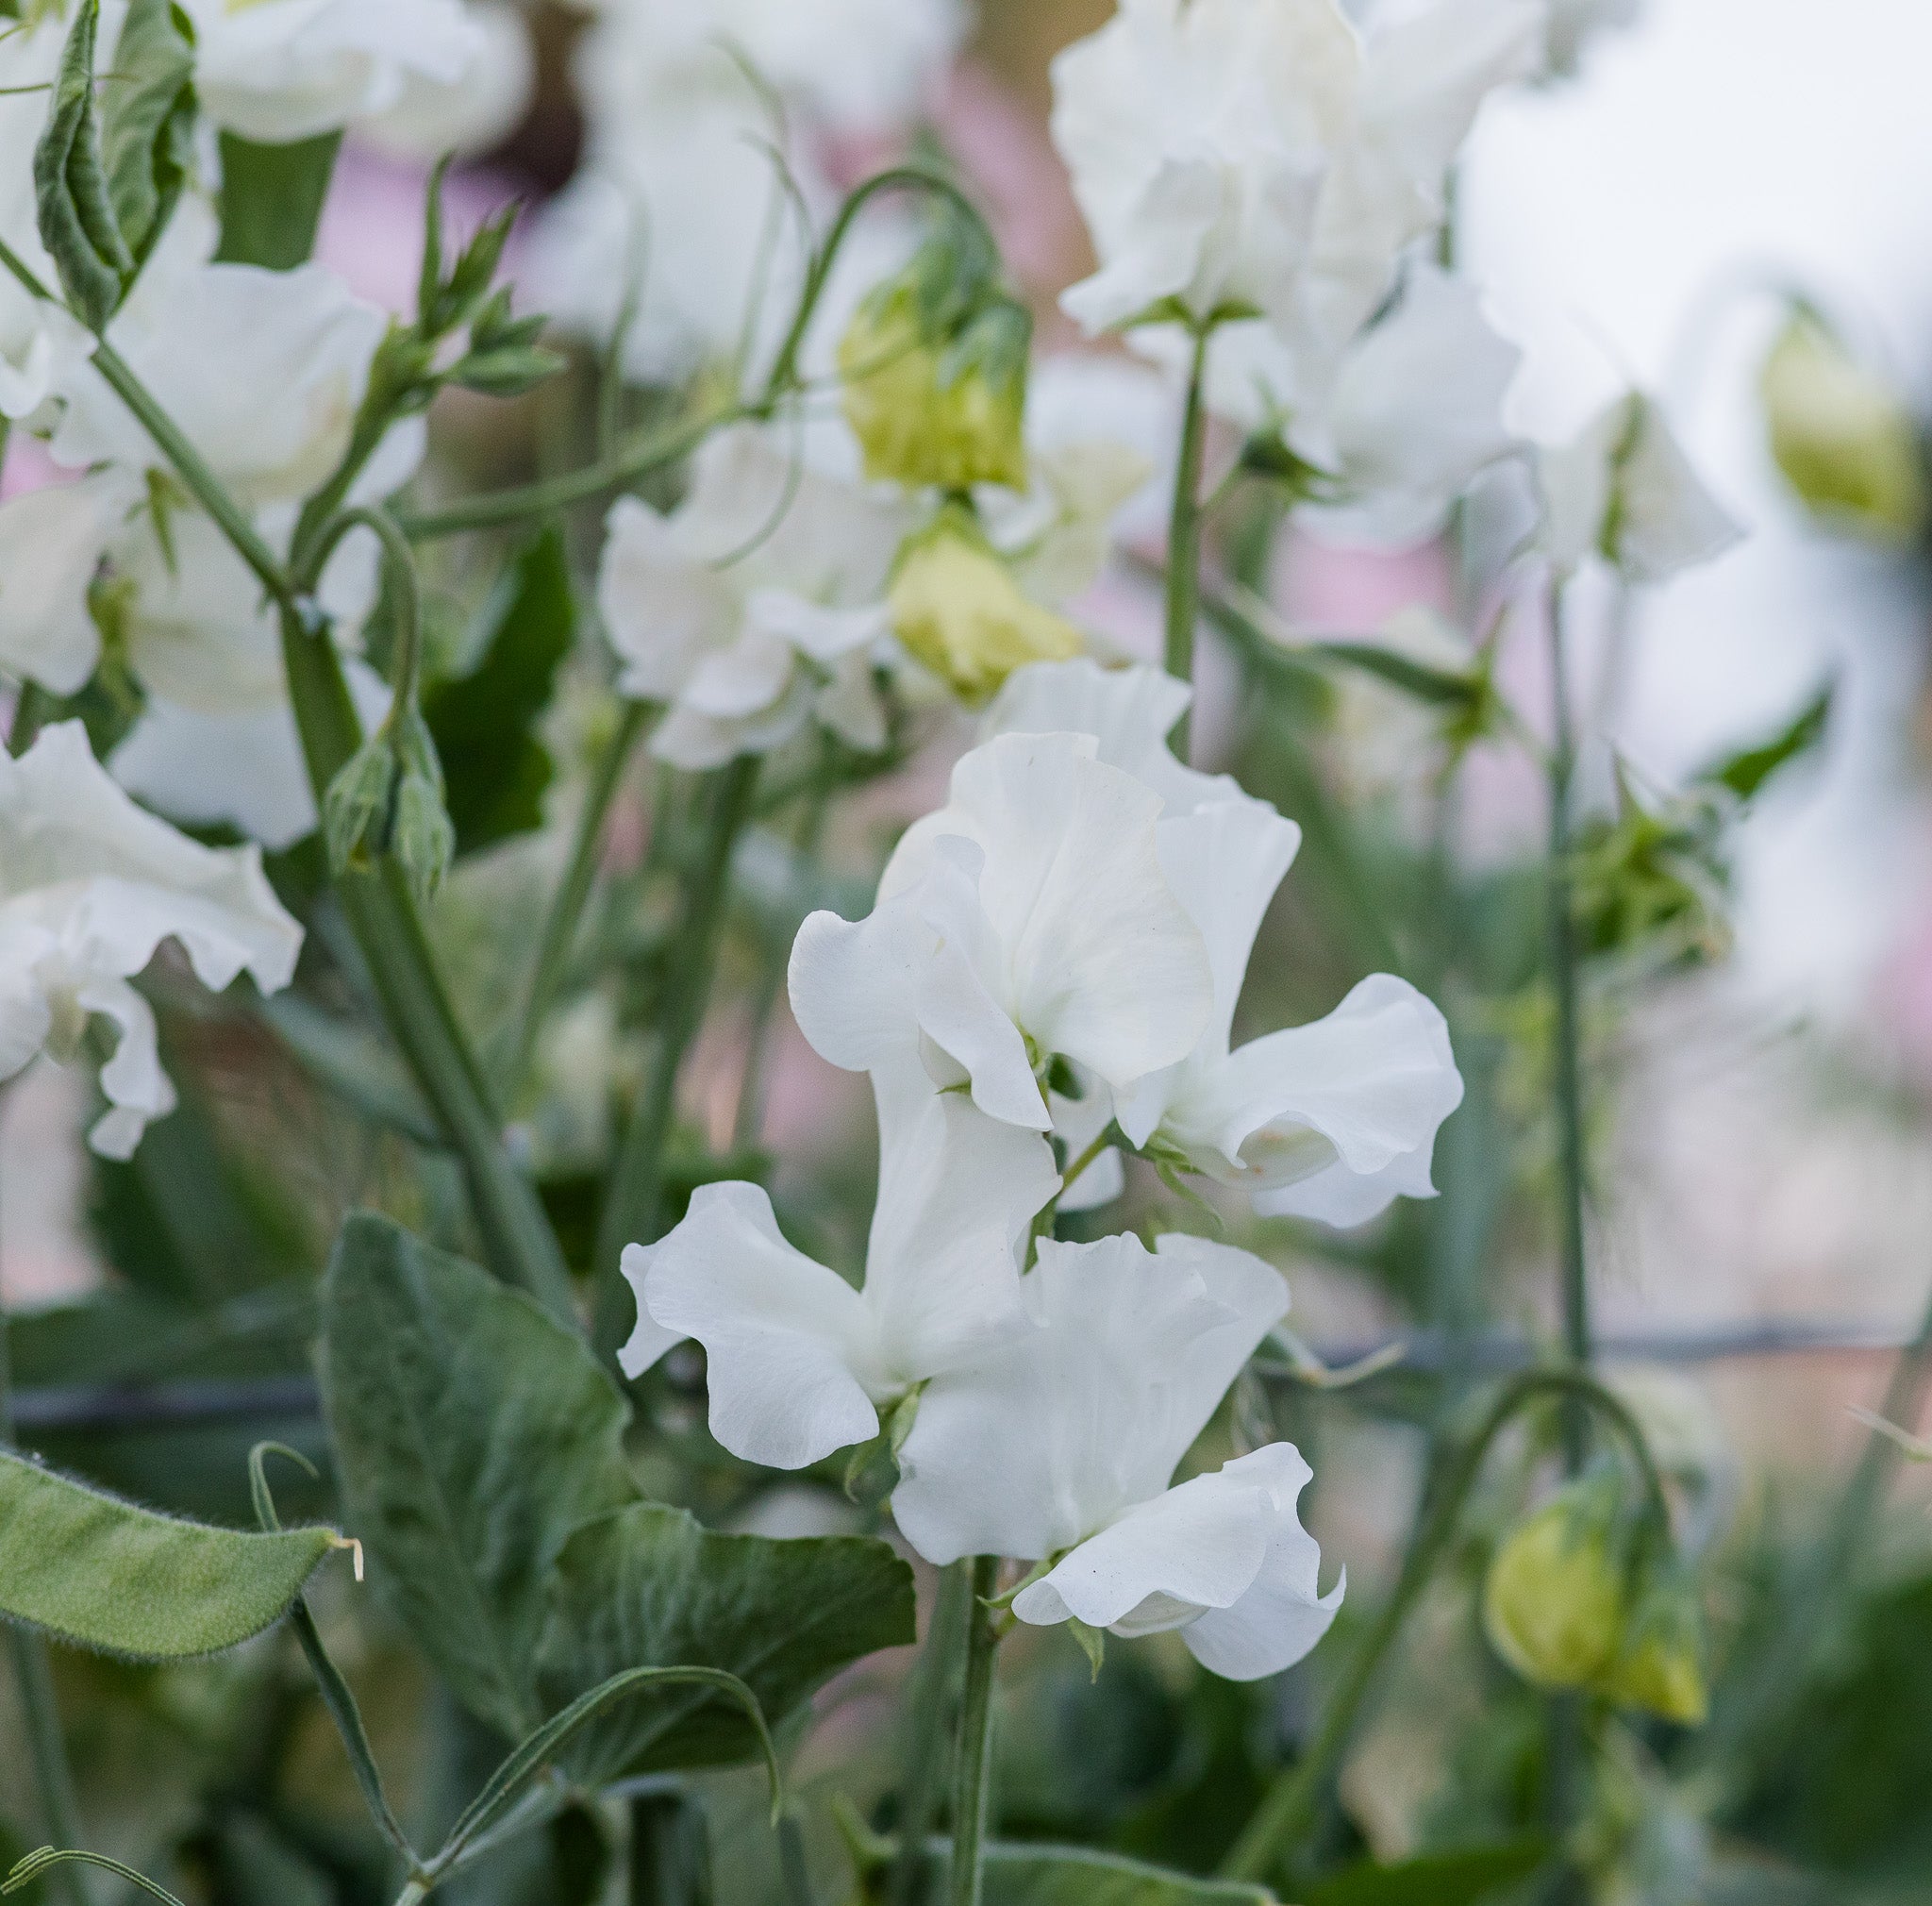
point(973, 1783)
point(1184, 534)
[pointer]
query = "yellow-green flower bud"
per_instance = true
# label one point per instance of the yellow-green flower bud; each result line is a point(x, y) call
point(1555, 1601)
point(1661, 1666)
point(1842, 436)
point(935, 364)
point(957, 608)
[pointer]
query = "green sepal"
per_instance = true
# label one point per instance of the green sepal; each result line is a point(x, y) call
point(1093, 1642)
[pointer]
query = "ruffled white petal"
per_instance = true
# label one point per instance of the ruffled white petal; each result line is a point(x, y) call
point(1046, 1441)
point(786, 1339)
point(137, 1090)
point(1374, 1081)
point(1098, 960)
point(1282, 1615)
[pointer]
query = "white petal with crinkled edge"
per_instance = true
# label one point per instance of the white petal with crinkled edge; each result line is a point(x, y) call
point(113, 882)
point(1129, 712)
point(1222, 1558)
point(137, 1090)
point(1335, 1195)
point(661, 608)
point(1098, 961)
point(1375, 1080)
point(1047, 1440)
point(1283, 1613)
point(788, 1344)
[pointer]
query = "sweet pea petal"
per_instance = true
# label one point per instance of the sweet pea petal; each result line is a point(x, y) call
point(137, 1090)
point(790, 1345)
point(1098, 959)
point(1333, 1195)
point(1047, 1440)
point(51, 543)
point(662, 610)
point(1375, 1081)
point(1196, 1547)
point(1282, 1615)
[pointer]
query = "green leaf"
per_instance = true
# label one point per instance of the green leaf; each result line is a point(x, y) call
point(1452, 1879)
point(1746, 772)
point(75, 215)
point(105, 1575)
point(494, 768)
point(473, 1433)
point(148, 121)
point(649, 1586)
point(272, 199)
point(30, 1869)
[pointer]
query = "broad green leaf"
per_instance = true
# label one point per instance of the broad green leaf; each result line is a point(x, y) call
point(272, 199)
point(105, 1575)
point(1019, 1875)
point(148, 110)
point(1746, 772)
point(473, 1433)
point(494, 768)
point(1460, 1877)
point(75, 215)
point(649, 1586)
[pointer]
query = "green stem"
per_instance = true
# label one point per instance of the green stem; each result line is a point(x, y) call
point(653, 452)
point(633, 1209)
point(973, 1782)
point(33, 1677)
point(1289, 1809)
point(1184, 534)
point(929, 1695)
point(1569, 1056)
point(560, 924)
point(516, 1234)
point(29, 714)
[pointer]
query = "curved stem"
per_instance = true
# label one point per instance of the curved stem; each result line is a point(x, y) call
point(633, 1208)
point(1184, 534)
point(653, 452)
point(1288, 1810)
point(928, 1697)
point(973, 1782)
point(783, 373)
point(566, 912)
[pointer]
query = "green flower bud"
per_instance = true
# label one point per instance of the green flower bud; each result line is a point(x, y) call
point(1661, 1666)
point(422, 837)
point(356, 810)
point(1555, 1600)
point(957, 608)
point(1842, 436)
point(935, 366)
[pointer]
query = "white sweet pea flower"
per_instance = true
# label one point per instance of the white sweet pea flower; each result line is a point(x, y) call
point(90, 887)
point(1356, 1096)
point(754, 606)
point(1029, 919)
point(1256, 157)
point(800, 1363)
point(282, 70)
point(1331, 1120)
point(1059, 1444)
point(51, 545)
point(1624, 489)
point(1414, 411)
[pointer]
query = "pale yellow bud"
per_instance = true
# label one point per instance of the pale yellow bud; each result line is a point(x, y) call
point(957, 608)
point(1842, 436)
point(1553, 1604)
point(1661, 1666)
